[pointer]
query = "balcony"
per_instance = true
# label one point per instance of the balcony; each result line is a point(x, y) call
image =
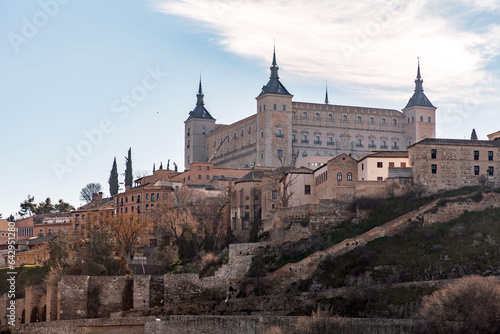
point(304, 141)
point(318, 142)
point(294, 140)
point(395, 147)
point(330, 143)
point(279, 135)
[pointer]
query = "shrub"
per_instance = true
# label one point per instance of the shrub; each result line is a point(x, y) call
point(470, 305)
point(320, 323)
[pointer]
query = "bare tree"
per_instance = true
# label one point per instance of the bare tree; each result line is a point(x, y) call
point(470, 305)
point(283, 179)
point(87, 192)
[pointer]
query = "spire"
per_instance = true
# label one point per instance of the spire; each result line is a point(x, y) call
point(419, 98)
point(274, 68)
point(326, 94)
point(473, 135)
point(200, 95)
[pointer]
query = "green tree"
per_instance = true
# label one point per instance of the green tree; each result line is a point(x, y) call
point(98, 253)
point(28, 206)
point(129, 178)
point(58, 249)
point(113, 180)
point(62, 206)
point(44, 207)
point(87, 192)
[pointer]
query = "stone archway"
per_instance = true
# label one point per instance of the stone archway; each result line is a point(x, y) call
point(35, 315)
point(44, 313)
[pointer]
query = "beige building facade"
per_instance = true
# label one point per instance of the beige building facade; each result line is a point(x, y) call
point(283, 130)
point(454, 163)
point(376, 166)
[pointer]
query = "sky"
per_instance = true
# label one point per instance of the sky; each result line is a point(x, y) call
point(82, 81)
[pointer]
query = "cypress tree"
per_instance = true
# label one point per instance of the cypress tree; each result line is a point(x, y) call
point(128, 169)
point(113, 180)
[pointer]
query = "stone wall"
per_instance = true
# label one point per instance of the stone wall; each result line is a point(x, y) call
point(72, 302)
point(142, 286)
point(111, 293)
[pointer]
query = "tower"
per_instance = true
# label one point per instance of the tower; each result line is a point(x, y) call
point(420, 115)
point(274, 122)
point(198, 124)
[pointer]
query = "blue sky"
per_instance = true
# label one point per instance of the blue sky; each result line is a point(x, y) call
point(97, 77)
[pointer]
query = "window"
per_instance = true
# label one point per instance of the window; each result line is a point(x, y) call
point(380, 178)
point(261, 156)
point(284, 108)
point(208, 167)
point(433, 153)
point(152, 197)
point(307, 189)
point(199, 167)
point(394, 144)
point(344, 118)
point(380, 164)
point(241, 133)
point(403, 165)
point(234, 135)
point(147, 196)
point(476, 170)
point(279, 133)
point(339, 176)
point(330, 116)
point(384, 144)
point(275, 194)
point(203, 130)
point(147, 206)
point(490, 155)
point(330, 140)
point(394, 122)
point(391, 164)
point(208, 177)
point(362, 166)
point(293, 138)
point(214, 143)
point(476, 155)
point(188, 144)
point(428, 119)
point(274, 107)
point(372, 120)
point(358, 119)
point(433, 169)
point(382, 121)
point(490, 170)
point(372, 143)
point(158, 196)
point(293, 113)
point(421, 118)
point(199, 177)
point(280, 154)
point(412, 119)
point(349, 176)
point(316, 140)
point(304, 139)
point(304, 114)
point(358, 142)
point(262, 134)
point(188, 131)
point(316, 116)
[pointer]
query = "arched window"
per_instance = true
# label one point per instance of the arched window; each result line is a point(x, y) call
point(284, 108)
point(382, 121)
point(339, 176)
point(358, 119)
point(304, 114)
point(428, 119)
point(421, 119)
point(330, 116)
point(316, 116)
point(372, 120)
point(344, 118)
point(394, 122)
point(349, 176)
point(274, 107)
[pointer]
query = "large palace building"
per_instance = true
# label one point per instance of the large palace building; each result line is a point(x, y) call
point(283, 130)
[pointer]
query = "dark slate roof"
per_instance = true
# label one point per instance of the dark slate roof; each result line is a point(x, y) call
point(458, 142)
point(387, 154)
point(419, 98)
point(253, 176)
point(200, 111)
point(274, 86)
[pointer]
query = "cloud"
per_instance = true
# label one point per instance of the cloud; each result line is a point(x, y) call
point(360, 45)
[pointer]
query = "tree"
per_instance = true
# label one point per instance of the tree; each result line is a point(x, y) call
point(113, 180)
point(87, 192)
point(44, 207)
point(98, 252)
point(130, 231)
point(62, 206)
point(469, 305)
point(58, 249)
point(283, 179)
point(28, 206)
point(11, 218)
point(128, 169)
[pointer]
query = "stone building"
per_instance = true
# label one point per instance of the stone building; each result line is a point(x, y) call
point(283, 130)
point(454, 163)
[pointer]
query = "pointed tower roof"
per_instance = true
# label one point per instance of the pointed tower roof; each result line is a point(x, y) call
point(274, 86)
point(473, 135)
point(200, 111)
point(326, 95)
point(419, 98)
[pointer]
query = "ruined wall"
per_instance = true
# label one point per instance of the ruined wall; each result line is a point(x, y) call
point(141, 288)
point(72, 303)
point(189, 288)
point(109, 294)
